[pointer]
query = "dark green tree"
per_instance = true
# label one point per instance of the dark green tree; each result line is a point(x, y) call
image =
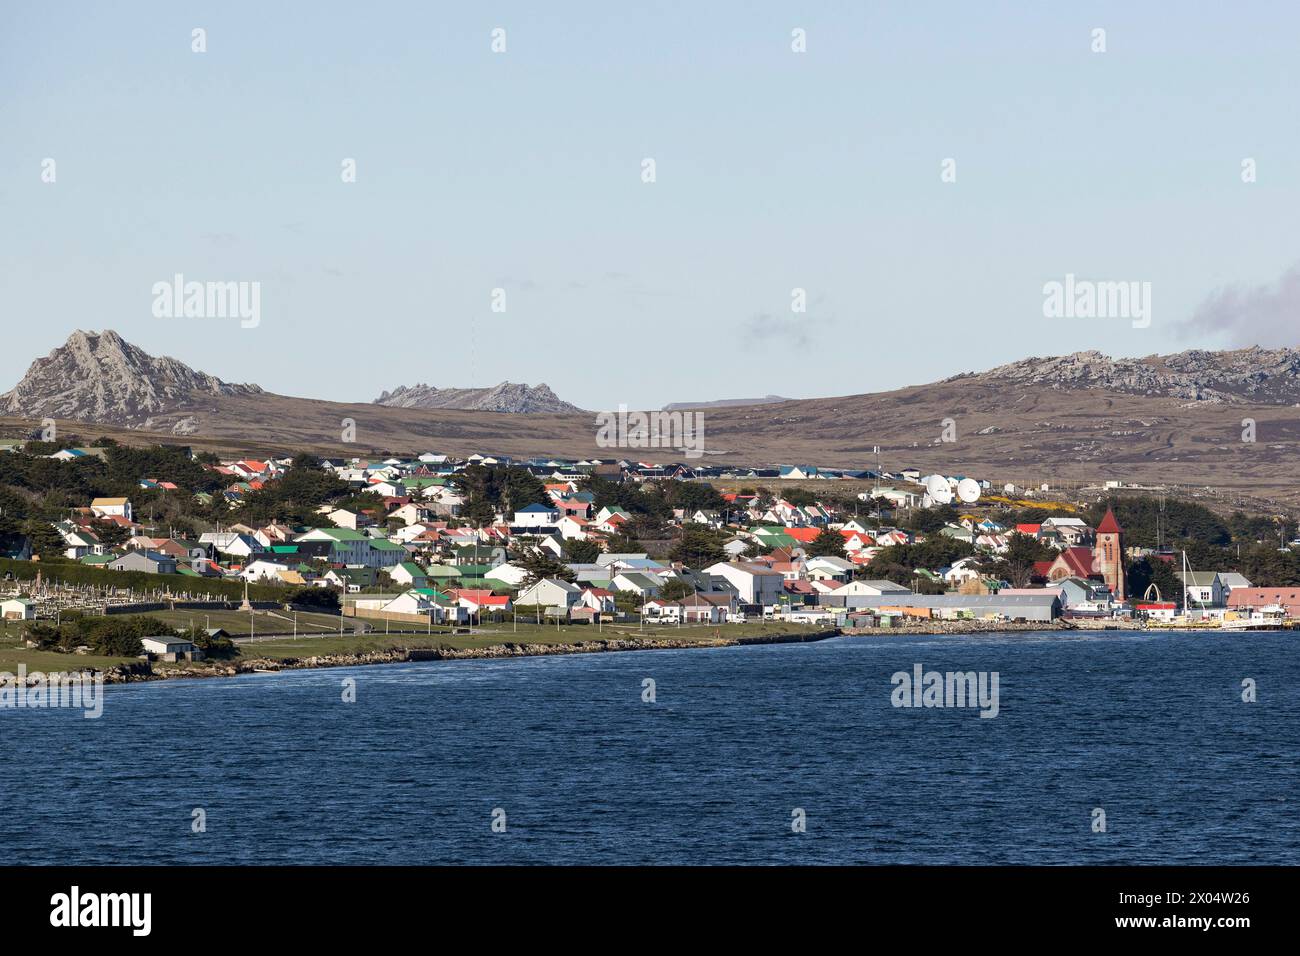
point(828, 543)
point(580, 551)
point(539, 564)
point(698, 546)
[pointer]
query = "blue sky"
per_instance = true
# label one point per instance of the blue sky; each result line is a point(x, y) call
point(522, 171)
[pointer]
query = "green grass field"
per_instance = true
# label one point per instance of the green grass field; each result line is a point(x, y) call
point(264, 622)
point(12, 654)
point(527, 633)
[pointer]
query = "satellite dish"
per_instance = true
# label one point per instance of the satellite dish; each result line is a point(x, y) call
point(968, 490)
point(937, 487)
point(927, 501)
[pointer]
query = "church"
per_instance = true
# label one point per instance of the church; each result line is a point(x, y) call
point(1110, 554)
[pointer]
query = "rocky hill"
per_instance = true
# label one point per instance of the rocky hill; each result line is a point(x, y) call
point(99, 376)
point(506, 397)
point(1083, 417)
point(1253, 375)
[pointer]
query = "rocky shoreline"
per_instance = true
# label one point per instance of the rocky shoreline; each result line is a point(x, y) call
point(144, 671)
point(137, 673)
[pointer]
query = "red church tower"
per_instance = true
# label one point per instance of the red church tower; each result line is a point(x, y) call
point(1110, 554)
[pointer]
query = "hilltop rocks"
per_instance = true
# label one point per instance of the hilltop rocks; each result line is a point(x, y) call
point(101, 377)
point(1256, 375)
point(506, 397)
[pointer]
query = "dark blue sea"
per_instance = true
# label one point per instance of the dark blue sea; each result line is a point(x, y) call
point(1149, 728)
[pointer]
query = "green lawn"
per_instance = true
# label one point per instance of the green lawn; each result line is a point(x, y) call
point(264, 622)
point(52, 661)
point(12, 654)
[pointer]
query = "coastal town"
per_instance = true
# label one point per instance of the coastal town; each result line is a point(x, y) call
point(426, 541)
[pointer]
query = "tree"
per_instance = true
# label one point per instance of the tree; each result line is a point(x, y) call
point(692, 496)
point(326, 599)
point(698, 547)
point(799, 497)
point(1144, 572)
point(937, 552)
point(295, 495)
point(929, 520)
point(1176, 519)
point(488, 489)
point(478, 512)
point(111, 533)
point(628, 602)
point(47, 543)
point(828, 544)
point(44, 636)
point(538, 564)
point(675, 589)
point(580, 551)
point(218, 647)
point(1016, 565)
point(623, 542)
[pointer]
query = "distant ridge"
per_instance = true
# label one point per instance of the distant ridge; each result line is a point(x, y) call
point(1085, 416)
point(506, 397)
point(726, 403)
point(1255, 375)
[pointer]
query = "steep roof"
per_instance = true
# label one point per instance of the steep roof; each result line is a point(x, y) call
point(1109, 525)
point(1078, 561)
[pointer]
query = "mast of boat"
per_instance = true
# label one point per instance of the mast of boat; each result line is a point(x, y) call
point(1186, 572)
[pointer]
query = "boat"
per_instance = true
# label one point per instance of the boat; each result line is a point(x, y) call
point(1271, 617)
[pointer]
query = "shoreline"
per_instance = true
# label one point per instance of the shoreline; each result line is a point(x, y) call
point(144, 672)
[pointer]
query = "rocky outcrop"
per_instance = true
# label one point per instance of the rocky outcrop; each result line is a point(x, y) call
point(1255, 375)
point(506, 397)
point(99, 376)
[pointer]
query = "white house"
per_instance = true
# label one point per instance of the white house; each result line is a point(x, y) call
point(828, 568)
point(535, 516)
point(1073, 531)
point(411, 513)
point(962, 570)
point(343, 518)
point(18, 609)
point(111, 508)
point(900, 499)
point(261, 570)
point(550, 592)
point(598, 599)
point(736, 547)
point(1204, 589)
point(410, 574)
point(171, 649)
point(643, 585)
point(79, 542)
point(506, 576)
point(408, 602)
point(572, 528)
point(754, 583)
point(872, 589)
point(1233, 581)
point(231, 543)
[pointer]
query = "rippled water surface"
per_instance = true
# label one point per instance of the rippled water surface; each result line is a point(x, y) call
point(1152, 729)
